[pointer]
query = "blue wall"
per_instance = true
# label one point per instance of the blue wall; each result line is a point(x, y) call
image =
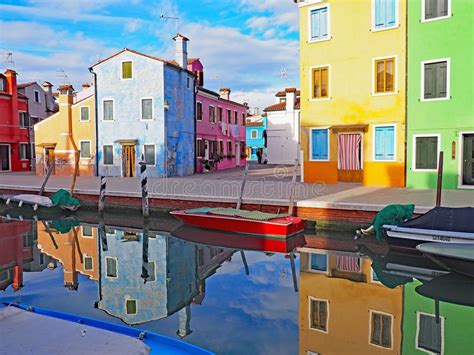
point(254, 143)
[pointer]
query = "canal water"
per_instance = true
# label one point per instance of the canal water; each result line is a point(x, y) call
point(320, 294)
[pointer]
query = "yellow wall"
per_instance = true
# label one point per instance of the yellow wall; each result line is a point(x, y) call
point(349, 308)
point(350, 52)
point(54, 129)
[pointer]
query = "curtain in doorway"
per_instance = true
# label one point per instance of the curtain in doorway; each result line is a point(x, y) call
point(349, 151)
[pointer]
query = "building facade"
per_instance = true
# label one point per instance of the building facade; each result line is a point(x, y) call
point(15, 147)
point(41, 102)
point(145, 109)
point(256, 135)
point(68, 135)
point(220, 131)
point(440, 90)
point(353, 91)
point(283, 127)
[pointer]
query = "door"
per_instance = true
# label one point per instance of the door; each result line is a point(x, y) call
point(237, 154)
point(128, 160)
point(49, 160)
point(206, 149)
point(5, 157)
point(350, 157)
point(468, 160)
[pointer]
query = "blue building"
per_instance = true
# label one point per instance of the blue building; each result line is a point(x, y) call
point(145, 108)
point(256, 127)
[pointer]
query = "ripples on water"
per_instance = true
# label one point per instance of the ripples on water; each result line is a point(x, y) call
point(346, 299)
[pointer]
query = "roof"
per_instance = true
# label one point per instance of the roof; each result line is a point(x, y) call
point(190, 61)
point(24, 85)
point(281, 106)
point(179, 35)
point(282, 93)
point(218, 96)
point(254, 123)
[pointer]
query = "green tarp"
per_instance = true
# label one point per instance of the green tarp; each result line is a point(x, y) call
point(392, 215)
point(64, 198)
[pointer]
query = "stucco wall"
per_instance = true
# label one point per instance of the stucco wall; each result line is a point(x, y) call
point(282, 133)
point(36, 109)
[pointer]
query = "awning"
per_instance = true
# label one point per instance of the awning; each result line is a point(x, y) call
point(350, 128)
point(127, 141)
point(47, 145)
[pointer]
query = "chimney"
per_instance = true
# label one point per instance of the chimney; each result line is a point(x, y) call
point(48, 89)
point(256, 111)
point(225, 93)
point(86, 86)
point(66, 95)
point(181, 52)
point(184, 317)
point(12, 89)
point(290, 99)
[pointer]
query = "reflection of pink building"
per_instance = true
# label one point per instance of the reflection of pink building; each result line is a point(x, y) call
point(220, 126)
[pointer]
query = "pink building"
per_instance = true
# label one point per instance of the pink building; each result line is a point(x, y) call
point(220, 126)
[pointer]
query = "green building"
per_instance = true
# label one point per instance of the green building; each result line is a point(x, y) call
point(422, 334)
point(440, 102)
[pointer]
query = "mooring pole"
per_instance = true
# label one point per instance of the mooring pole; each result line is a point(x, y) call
point(292, 190)
point(144, 182)
point(145, 265)
point(439, 187)
point(244, 260)
point(293, 271)
point(103, 186)
point(102, 233)
point(50, 170)
point(242, 187)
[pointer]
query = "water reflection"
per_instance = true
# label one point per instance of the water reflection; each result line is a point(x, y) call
point(236, 296)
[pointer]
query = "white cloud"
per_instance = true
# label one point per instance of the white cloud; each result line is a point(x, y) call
point(283, 12)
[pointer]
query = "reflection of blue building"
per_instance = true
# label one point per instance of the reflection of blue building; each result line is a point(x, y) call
point(170, 286)
point(256, 129)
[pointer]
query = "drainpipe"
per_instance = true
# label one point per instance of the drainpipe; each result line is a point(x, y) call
point(406, 95)
point(195, 125)
point(96, 123)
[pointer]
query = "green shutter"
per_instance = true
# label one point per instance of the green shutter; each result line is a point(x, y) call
point(426, 152)
point(441, 79)
point(430, 81)
point(126, 70)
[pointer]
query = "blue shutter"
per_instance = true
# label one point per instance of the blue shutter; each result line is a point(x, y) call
point(319, 149)
point(379, 13)
point(384, 143)
point(389, 143)
point(390, 12)
point(319, 24)
point(323, 27)
point(379, 143)
point(314, 24)
point(315, 148)
point(324, 144)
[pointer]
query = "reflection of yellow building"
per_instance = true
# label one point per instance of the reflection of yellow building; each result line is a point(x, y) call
point(343, 310)
point(68, 134)
point(75, 250)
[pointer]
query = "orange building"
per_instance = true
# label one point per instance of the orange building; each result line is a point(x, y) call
point(76, 250)
point(343, 309)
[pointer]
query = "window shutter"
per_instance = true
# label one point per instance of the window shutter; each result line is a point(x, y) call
point(429, 7)
point(430, 83)
point(315, 146)
point(319, 149)
point(426, 151)
point(379, 20)
point(323, 23)
point(390, 8)
point(314, 24)
point(379, 143)
point(441, 79)
point(443, 7)
point(324, 144)
point(389, 143)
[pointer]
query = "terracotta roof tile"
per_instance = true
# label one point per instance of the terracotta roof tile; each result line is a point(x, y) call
point(24, 85)
point(281, 106)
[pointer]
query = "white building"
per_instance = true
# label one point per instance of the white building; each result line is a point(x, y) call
point(283, 127)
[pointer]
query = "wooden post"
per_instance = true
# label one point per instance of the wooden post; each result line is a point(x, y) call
point(144, 182)
point(293, 271)
point(439, 187)
point(76, 170)
point(50, 170)
point(242, 187)
point(46, 228)
point(292, 190)
point(103, 186)
point(102, 233)
point(145, 265)
point(244, 260)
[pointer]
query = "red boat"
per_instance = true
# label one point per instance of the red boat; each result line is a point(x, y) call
point(242, 221)
point(239, 241)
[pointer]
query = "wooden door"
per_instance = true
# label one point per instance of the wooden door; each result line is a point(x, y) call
point(350, 157)
point(468, 160)
point(128, 161)
point(5, 157)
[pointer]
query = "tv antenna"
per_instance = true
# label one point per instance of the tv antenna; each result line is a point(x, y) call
point(63, 76)
point(284, 74)
point(164, 17)
point(9, 62)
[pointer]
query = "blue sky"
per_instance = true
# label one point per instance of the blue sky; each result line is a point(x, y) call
point(243, 44)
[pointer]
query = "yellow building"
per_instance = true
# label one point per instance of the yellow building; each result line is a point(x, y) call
point(353, 91)
point(343, 309)
point(68, 135)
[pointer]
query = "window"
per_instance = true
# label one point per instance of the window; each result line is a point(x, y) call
point(3, 86)
point(108, 154)
point(111, 267)
point(199, 111)
point(430, 333)
point(200, 148)
point(25, 152)
point(385, 14)
point(435, 81)
point(127, 70)
point(229, 116)
point(384, 75)
point(86, 149)
point(236, 117)
point(147, 109)
point(320, 83)
point(188, 82)
point(220, 147)
point(24, 119)
point(108, 110)
point(319, 262)
point(381, 329)
point(88, 263)
point(319, 315)
point(253, 134)
point(37, 96)
point(212, 114)
point(151, 271)
point(84, 114)
point(4, 275)
point(131, 306)
point(244, 116)
point(219, 114)
point(229, 148)
point(384, 143)
point(86, 231)
point(426, 152)
point(149, 152)
point(436, 9)
point(319, 24)
point(319, 144)
point(41, 260)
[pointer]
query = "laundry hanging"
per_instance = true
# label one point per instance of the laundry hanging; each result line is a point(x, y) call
point(349, 151)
